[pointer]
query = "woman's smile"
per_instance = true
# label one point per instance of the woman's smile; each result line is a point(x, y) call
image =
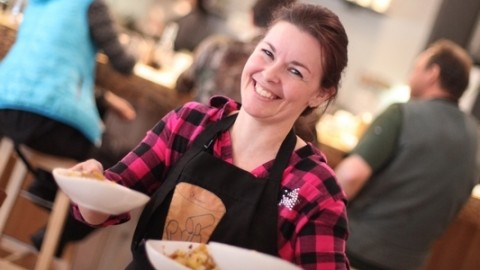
point(264, 92)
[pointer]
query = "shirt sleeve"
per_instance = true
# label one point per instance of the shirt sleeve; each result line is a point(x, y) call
point(144, 168)
point(379, 142)
point(313, 217)
point(105, 36)
point(322, 240)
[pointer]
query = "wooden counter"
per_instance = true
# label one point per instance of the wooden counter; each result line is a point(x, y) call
point(459, 246)
point(7, 37)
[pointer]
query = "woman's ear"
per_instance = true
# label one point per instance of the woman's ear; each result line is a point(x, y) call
point(321, 96)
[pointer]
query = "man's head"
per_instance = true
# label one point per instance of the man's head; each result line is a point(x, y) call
point(442, 70)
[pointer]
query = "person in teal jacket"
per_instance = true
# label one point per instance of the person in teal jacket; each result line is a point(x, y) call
point(47, 83)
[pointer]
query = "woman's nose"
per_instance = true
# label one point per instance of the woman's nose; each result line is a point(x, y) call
point(271, 73)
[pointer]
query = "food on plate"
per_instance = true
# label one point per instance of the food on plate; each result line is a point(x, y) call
point(94, 175)
point(196, 259)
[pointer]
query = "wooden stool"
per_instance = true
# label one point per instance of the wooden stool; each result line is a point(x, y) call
point(60, 206)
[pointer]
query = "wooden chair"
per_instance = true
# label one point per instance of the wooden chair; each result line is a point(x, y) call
point(3, 195)
point(9, 35)
point(60, 206)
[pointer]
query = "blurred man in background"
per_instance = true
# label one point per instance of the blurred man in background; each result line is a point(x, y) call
point(414, 168)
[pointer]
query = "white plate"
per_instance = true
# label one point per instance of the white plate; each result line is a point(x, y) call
point(158, 251)
point(103, 196)
point(227, 257)
point(235, 258)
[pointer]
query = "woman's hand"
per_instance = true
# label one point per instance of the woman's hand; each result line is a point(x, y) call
point(89, 166)
point(90, 216)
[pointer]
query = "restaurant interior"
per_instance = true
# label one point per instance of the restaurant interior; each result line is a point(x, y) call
point(384, 39)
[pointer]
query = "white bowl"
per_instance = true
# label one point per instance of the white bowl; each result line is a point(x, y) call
point(226, 257)
point(158, 251)
point(230, 257)
point(100, 195)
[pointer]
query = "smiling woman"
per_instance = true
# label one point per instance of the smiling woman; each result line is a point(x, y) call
point(276, 72)
point(276, 192)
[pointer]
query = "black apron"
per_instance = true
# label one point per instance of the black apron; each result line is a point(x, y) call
point(226, 204)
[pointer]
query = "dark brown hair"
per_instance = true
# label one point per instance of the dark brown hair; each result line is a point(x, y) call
point(263, 11)
point(325, 26)
point(454, 64)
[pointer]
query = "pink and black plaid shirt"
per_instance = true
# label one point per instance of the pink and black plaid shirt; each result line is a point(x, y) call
point(312, 224)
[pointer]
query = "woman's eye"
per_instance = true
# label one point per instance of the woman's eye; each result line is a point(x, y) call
point(296, 72)
point(267, 53)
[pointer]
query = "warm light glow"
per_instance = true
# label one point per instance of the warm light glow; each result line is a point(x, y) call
point(364, 3)
point(380, 5)
point(397, 93)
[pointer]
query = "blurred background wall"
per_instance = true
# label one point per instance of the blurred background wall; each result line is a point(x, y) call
point(382, 46)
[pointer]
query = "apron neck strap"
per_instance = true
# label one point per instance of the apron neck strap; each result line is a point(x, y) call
point(206, 138)
point(283, 156)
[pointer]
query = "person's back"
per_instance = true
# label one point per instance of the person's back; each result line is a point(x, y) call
point(47, 99)
point(413, 169)
point(411, 202)
point(49, 69)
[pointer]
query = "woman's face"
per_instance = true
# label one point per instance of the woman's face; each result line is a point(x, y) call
point(282, 76)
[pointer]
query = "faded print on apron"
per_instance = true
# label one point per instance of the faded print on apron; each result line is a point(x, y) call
point(193, 215)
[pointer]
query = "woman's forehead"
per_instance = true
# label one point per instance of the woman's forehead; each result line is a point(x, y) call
point(288, 39)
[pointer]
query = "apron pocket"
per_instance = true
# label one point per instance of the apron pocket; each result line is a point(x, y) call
point(193, 215)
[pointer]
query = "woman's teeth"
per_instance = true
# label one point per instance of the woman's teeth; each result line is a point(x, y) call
point(264, 93)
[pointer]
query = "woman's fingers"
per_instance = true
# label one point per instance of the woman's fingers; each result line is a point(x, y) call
point(88, 166)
